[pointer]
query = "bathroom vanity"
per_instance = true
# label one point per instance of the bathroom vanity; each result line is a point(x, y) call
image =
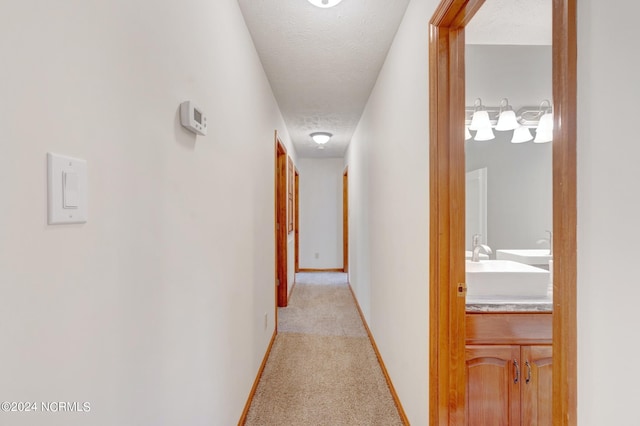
point(508, 362)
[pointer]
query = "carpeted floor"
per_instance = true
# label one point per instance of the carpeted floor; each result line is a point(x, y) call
point(322, 369)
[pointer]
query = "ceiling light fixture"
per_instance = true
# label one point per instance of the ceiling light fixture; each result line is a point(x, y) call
point(324, 3)
point(321, 137)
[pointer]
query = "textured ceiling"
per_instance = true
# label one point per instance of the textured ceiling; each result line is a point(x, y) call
point(519, 22)
point(322, 63)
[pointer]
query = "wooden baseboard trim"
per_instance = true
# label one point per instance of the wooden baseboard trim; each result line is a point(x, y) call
point(245, 412)
point(394, 395)
point(321, 270)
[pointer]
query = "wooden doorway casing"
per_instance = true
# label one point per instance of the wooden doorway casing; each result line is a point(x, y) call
point(296, 225)
point(447, 264)
point(281, 222)
point(345, 220)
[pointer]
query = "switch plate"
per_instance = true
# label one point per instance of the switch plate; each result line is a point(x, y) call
point(67, 189)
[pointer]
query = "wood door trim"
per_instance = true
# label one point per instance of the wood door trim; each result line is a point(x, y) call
point(447, 331)
point(297, 221)
point(345, 220)
point(565, 352)
point(281, 218)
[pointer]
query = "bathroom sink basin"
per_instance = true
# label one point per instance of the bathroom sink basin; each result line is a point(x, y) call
point(530, 257)
point(505, 278)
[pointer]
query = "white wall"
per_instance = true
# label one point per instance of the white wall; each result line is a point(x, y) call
point(321, 212)
point(608, 212)
point(388, 162)
point(153, 310)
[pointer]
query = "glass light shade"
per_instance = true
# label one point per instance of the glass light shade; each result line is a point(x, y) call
point(321, 137)
point(507, 121)
point(484, 134)
point(467, 134)
point(521, 134)
point(324, 3)
point(480, 120)
point(544, 132)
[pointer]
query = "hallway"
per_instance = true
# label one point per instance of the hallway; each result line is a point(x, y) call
point(322, 369)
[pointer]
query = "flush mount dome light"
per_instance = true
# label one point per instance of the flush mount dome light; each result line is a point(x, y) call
point(324, 3)
point(321, 137)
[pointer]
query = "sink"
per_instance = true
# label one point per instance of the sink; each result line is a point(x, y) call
point(530, 257)
point(505, 278)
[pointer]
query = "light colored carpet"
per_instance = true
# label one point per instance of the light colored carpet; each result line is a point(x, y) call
point(322, 369)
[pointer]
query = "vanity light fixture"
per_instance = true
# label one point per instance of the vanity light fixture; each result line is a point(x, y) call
point(321, 138)
point(480, 116)
point(521, 134)
point(484, 134)
point(480, 121)
point(324, 3)
point(544, 131)
point(507, 118)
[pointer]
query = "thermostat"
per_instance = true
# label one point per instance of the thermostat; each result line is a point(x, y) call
point(193, 118)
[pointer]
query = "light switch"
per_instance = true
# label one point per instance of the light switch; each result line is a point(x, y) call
point(67, 189)
point(70, 194)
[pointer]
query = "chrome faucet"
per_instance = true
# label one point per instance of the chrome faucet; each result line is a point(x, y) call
point(475, 257)
point(548, 241)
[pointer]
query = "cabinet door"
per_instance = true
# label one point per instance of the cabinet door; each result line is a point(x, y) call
point(537, 402)
point(493, 386)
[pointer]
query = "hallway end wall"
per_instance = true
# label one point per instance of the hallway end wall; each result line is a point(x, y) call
point(321, 213)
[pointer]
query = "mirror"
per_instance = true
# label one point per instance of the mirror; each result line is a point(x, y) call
point(508, 182)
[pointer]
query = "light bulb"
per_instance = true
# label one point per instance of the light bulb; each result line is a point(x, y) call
point(484, 134)
point(480, 120)
point(521, 134)
point(507, 121)
point(544, 132)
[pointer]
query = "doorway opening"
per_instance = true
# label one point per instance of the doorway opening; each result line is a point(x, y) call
point(281, 222)
point(447, 220)
point(345, 221)
point(296, 224)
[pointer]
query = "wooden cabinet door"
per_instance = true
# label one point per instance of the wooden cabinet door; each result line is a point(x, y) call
point(537, 402)
point(493, 393)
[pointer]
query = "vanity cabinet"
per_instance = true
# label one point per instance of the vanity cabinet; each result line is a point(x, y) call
point(508, 378)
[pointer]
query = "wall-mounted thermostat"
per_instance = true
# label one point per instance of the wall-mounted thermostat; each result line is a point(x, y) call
point(193, 118)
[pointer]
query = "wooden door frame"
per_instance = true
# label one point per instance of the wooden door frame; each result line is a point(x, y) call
point(345, 220)
point(296, 225)
point(281, 222)
point(447, 309)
